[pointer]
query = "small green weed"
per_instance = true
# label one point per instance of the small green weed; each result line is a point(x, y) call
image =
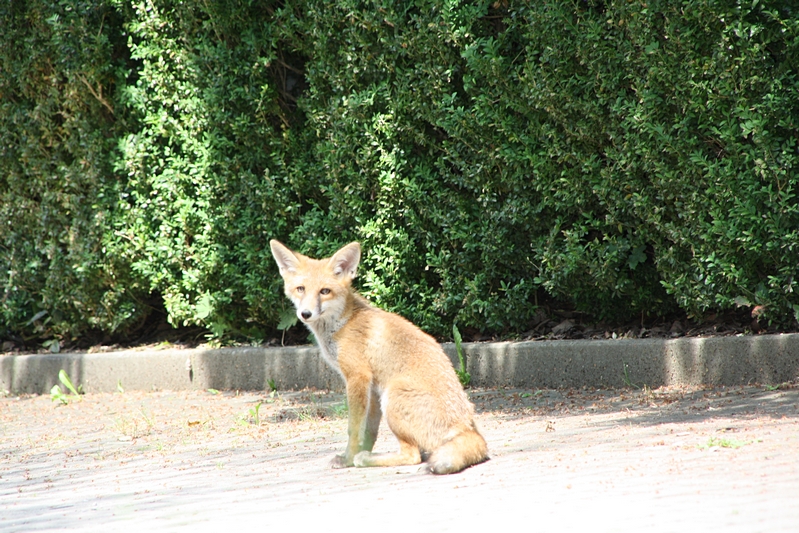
point(273, 393)
point(254, 414)
point(340, 410)
point(148, 419)
point(56, 394)
point(252, 417)
point(309, 413)
point(464, 377)
point(772, 388)
point(626, 377)
point(715, 442)
point(135, 427)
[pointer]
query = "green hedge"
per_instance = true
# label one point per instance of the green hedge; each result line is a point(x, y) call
point(626, 158)
point(59, 121)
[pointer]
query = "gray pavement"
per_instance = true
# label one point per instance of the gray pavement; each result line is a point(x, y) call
point(651, 435)
point(672, 459)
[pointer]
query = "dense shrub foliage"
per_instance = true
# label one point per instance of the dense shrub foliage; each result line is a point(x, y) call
point(629, 158)
point(59, 121)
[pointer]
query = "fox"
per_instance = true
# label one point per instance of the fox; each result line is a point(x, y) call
point(391, 368)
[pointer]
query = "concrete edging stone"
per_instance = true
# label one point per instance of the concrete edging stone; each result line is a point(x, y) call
point(764, 359)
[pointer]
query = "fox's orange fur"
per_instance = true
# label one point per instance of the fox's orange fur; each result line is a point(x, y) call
point(391, 368)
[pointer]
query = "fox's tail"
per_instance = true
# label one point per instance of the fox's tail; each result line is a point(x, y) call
point(465, 449)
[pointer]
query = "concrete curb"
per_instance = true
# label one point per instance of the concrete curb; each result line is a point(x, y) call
point(765, 359)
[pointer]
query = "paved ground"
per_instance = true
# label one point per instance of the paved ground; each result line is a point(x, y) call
point(665, 460)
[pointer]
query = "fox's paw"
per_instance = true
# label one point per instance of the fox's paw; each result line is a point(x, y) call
point(340, 461)
point(362, 459)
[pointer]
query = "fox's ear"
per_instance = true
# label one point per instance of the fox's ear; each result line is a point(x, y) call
point(345, 261)
point(286, 260)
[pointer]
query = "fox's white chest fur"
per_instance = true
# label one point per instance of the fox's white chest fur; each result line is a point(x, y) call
point(323, 330)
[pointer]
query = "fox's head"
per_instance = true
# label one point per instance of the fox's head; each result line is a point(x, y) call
point(317, 287)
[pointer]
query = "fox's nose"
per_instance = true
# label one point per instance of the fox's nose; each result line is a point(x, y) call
point(306, 314)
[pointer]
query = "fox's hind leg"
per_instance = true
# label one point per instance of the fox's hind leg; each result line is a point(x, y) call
point(408, 455)
point(398, 420)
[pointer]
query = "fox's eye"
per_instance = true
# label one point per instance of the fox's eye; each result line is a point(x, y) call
point(324, 291)
point(300, 289)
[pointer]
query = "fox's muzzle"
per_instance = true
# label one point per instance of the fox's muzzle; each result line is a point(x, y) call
point(308, 314)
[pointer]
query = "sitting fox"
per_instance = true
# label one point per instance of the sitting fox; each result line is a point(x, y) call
point(391, 367)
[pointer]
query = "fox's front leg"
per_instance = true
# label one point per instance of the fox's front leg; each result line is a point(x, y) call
point(372, 423)
point(363, 420)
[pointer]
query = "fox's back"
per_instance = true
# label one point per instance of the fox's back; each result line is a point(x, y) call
point(393, 351)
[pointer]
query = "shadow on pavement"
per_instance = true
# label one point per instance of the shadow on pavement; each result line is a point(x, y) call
point(643, 406)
